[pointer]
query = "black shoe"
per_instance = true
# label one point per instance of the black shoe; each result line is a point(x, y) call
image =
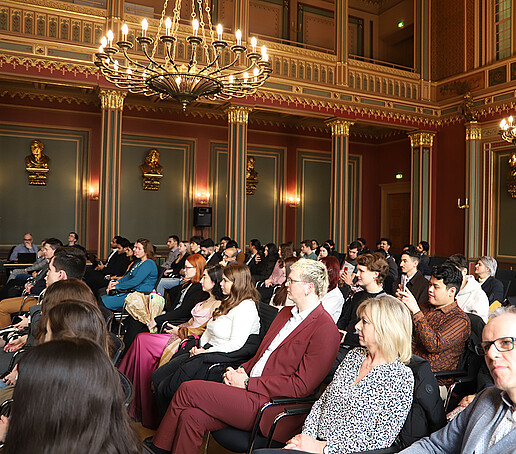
point(154, 449)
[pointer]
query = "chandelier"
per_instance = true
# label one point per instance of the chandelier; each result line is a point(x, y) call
point(508, 130)
point(210, 78)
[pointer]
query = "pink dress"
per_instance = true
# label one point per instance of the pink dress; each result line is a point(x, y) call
point(142, 359)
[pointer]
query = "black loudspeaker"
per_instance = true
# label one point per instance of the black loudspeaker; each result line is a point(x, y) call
point(202, 216)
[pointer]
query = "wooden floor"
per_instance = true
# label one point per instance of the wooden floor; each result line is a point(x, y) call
point(214, 447)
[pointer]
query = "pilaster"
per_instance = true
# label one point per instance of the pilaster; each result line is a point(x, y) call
point(236, 201)
point(112, 103)
point(339, 181)
point(421, 143)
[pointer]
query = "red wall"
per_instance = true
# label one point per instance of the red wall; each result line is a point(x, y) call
point(449, 183)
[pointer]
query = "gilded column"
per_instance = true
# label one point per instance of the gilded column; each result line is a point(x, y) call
point(112, 103)
point(341, 41)
point(421, 144)
point(474, 189)
point(339, 181)
point(236, 206)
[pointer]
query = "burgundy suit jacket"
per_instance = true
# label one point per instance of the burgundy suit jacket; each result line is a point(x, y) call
point(298, 365)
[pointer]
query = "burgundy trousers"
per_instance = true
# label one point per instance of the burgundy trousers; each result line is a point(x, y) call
point(200, 406)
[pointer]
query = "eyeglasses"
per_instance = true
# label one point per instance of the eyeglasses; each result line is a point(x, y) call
point(502, 344)
point(186, 266)
point(289, 281)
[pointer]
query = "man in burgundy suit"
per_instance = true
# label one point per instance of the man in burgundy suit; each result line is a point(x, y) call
point(294, 357)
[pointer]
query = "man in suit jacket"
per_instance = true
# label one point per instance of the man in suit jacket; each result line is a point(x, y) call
point(486, 425)
point(292, 360)
point(415, 281)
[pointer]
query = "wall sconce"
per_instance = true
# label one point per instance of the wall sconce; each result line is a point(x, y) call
point(93, 193)
point(203, 198)
point(463, 207)
point(293, 201)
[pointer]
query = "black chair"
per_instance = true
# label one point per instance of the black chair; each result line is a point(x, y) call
point(468, 366)
point(127, 388)
point(506, 287)
point(116, 347)
point(507, 275)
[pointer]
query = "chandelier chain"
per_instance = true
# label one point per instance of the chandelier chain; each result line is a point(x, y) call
point(156, 41)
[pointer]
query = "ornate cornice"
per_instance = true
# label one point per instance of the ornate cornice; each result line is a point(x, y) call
point(22, 94)
point(421, 139)
point(112, 99)
point(238, 114)
point(473, 131)
point(339, 127)
point(51, 65)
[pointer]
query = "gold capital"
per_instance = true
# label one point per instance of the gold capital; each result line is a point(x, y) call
point(418, 139)
point(238, 114)
point(112, 99)
point(340, 127)
point(473, 131)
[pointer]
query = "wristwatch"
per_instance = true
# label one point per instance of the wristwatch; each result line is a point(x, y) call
point(246, 383)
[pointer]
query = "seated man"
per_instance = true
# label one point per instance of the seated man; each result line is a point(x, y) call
point(9, 306)
point(392, 276)
point(471, 298)
point(208, 252)
point(487, 424)
point(414, 280)
point(26, 247)
point(441, 327)
point(66, 263)
point(229, 255)
point(424, 264)
point(293, 358)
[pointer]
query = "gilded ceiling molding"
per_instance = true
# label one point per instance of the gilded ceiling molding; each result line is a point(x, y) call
point(63, 6)
point(473, 131)
point(52, 65)
point(238, 114)
point(421, 139)
point(46, 97)
point(132, 105)
point(112, 99)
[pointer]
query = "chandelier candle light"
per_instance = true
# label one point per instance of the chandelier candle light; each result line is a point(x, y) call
point(508, 133)
point(184, 82)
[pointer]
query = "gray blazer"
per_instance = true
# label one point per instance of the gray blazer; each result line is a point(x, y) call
point(462, 434)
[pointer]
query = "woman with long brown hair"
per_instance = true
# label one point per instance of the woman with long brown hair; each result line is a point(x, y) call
point(231, 325)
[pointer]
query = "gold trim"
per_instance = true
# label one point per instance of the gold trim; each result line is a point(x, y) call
point(238, 114)
point(473, 131)
point(419, 139)
point(112, 99)
point(340, 127)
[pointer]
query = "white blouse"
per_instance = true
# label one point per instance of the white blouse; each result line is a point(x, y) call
point(333, 302)
point(228, 333)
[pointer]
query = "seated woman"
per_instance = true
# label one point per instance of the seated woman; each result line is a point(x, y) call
point(183, 301)
point(73, 406)
point(142, 358)
point(485, 269)
point(228, 330)
point(334, 299)
point(280, 296)
point(141, 278)
point(366, 404)
point(266, 264)
point(324, 251)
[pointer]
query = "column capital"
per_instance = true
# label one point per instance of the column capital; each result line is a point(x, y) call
point(112, 99)
point(238, 114)
point(473, 131)
point(339, 127)
point(421, 138)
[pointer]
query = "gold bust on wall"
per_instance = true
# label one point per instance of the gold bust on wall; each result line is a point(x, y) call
point(152, 170)
point(251, 176)
point(36, 164)
point(511, 176)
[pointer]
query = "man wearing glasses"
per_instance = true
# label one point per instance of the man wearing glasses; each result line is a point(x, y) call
point(488, 424)
point(26, 247)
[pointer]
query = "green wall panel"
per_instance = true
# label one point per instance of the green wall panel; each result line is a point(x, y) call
point(314, 185)
point(506, 212)
point(45, 211)
point(155, 214)
point(219, 177)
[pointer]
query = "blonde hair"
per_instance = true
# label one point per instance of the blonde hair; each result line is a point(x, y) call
point(313, 272)
point(393, 325)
